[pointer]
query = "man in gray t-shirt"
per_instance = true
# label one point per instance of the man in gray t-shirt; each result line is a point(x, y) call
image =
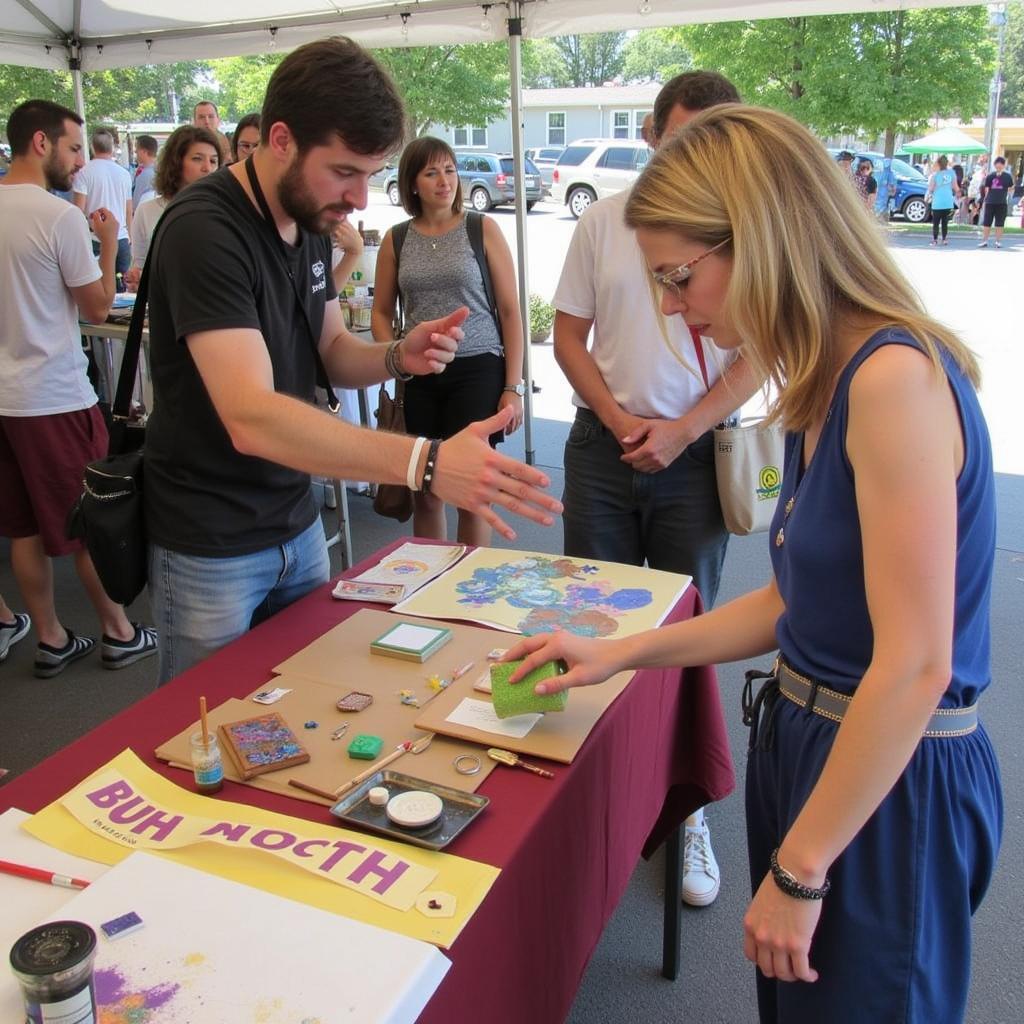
point(145, 152)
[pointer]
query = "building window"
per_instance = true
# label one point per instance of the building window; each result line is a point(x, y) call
point(467, 135)
point(638, 123)
point(620, 124)
point(556, 129)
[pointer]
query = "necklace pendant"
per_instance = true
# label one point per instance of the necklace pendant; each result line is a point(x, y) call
point(780, 537)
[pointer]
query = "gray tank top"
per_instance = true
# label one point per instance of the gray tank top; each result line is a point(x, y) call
point(437, 275)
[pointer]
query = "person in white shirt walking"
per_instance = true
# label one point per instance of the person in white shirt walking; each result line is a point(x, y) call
point(103, 184)
point(50, 426)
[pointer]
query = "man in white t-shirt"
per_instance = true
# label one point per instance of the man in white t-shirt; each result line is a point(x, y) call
point(103, 184)
point(639, 460)
point(50, 426)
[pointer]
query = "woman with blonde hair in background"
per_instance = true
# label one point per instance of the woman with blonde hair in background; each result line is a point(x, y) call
point(874, 807)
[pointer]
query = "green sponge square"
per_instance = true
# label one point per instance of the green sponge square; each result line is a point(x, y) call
point(519, 698)
point(365, 747)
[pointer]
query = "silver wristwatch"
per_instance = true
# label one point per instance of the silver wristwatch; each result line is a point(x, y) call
point(516, 389)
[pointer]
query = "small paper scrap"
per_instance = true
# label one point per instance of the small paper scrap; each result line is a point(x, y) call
point(270, 696)
point(478, 714)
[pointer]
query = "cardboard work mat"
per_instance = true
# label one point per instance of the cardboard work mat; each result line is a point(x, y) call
point(342, 656)
point(329, 765)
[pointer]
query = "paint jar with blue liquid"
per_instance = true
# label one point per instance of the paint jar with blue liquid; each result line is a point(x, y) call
point(207, 765)
point(53, 964)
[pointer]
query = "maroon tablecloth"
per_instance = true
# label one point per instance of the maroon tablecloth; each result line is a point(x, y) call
point(566, 846)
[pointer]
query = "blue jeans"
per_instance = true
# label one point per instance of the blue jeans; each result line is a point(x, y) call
point(123, 260)
point(671, 519)
point(202, 604)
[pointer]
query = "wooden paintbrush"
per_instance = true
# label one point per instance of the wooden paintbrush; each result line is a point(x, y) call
point(408, 747)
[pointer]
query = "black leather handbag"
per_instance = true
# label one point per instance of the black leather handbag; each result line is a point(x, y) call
point(109, 516)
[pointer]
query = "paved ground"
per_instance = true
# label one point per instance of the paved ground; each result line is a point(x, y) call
point(971, 290)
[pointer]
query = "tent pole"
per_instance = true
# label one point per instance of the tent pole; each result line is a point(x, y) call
point(75, 67)
point(515, 67)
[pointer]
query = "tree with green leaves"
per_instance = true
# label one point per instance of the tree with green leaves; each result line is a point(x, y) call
point(450, 85)
point(878, 73)
point(241, 83)
point(573, 61)
point(654, 55)
point(1012, 100)
point(144, 93)
point(18, 84)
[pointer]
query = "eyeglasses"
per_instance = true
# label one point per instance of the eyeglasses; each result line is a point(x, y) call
point(673, 280)
point(246, 147)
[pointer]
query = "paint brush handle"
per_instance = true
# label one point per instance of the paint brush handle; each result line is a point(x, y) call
point(375, 767)
point(543, 772)
point(312, 789)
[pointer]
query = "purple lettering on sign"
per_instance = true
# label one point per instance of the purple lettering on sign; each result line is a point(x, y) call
point(343, 848)
point(301, 848)
point(265, 840)
point(123, 815)
point(372, 866)
point(162, 824)
point(232, 833)
point(110, 795)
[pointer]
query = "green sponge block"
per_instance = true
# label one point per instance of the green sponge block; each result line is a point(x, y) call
point(365, 747)
point(519, 698)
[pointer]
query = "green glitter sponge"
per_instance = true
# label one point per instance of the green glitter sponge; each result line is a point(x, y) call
point(365, 747)
point(519, 698)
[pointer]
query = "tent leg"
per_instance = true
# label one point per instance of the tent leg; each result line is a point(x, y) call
point(515, 66)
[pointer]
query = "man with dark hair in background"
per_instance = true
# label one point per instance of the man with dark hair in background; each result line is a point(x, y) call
point(145, 154)
point(50, 426)
point(206, 115)
point(103, 184)
point(640, 480)
point(241, 304)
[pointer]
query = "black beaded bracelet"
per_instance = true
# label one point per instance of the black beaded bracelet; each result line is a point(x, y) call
point(791, 887)
point(431, 467)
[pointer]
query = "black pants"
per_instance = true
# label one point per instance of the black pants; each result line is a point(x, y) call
point(940, 217)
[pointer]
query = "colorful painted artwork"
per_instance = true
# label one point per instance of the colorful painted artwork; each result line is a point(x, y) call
point(527, 592)
point(261, 744)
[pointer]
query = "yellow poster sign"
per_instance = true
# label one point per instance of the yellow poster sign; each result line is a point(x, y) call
point(125, 806)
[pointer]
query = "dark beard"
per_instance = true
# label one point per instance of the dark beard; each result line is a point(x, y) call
point(56, 177)
point(296, 201)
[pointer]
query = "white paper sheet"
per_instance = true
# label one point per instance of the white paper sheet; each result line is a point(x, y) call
point(479, 714)
point(215, 950)
point(26, 902)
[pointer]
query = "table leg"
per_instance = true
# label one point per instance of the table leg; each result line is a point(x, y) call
point(673, 916)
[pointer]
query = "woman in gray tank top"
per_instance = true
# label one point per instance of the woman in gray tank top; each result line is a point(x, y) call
point(430, 263)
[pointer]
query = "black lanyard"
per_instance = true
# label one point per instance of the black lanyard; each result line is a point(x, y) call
point(321, 372)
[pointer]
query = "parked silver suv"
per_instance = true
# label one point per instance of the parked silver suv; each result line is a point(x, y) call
point(591, 169)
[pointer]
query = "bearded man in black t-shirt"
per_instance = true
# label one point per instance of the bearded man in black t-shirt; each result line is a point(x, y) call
point(242, 318)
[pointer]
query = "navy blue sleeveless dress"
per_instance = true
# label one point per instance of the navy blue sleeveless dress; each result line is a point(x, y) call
point(893, 945)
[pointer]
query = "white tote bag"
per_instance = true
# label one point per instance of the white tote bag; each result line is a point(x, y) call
point(748, 467)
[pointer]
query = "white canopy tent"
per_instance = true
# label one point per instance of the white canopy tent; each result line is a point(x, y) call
point(92, 35)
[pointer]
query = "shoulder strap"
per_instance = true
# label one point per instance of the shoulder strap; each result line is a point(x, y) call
point(322, 379)
point(698, 347)
point(475, 230)
point(398, 233)
point(120, 411)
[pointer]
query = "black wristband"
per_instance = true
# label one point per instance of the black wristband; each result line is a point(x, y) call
point(791, 887)
point(431, 467)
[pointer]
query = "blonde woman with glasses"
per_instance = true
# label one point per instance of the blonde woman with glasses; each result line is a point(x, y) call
point(874, 807)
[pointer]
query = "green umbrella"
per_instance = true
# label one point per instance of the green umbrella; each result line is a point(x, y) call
point(946, 140)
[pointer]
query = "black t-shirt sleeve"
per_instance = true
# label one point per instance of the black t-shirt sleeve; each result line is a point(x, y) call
point(209, 276)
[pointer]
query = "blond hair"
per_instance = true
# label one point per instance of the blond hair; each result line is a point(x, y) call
point(805, 252)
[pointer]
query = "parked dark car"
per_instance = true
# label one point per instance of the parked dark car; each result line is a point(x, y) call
point(387, 180)
point(545, 158)
point(911, 185)
point(488, 179)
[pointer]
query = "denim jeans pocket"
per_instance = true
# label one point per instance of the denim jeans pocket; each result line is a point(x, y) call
point(584, 430)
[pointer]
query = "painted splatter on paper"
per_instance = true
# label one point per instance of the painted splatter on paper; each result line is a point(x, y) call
point(528, 592)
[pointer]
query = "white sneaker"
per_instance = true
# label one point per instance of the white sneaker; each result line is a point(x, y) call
point(701, 877)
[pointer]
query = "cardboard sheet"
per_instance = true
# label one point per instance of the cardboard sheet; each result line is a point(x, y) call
point(132, 807)
point(341, 657)
point(329, 765)
point(193, 958)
